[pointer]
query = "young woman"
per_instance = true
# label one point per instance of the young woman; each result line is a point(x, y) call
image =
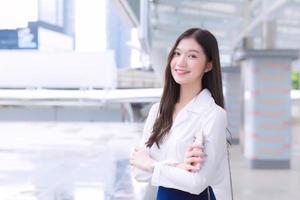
point(190, 114)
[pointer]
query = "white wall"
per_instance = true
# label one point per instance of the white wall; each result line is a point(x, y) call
point(57, 70)
point(53, 41)
point(90, 25)
point(17, 13)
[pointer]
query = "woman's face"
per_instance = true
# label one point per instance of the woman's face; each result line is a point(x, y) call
point(189, 62)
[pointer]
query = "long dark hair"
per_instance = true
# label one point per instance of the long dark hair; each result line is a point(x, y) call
point(211, 80)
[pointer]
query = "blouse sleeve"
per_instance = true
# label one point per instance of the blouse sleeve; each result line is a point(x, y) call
point(139, 174)
point(214, 130)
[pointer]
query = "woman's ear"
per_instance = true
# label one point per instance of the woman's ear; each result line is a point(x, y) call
point(208, 67)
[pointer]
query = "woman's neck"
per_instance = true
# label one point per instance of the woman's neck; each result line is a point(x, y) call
point(188, 92)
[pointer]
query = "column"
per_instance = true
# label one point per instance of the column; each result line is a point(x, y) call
point(267, 107)
point(233, 100)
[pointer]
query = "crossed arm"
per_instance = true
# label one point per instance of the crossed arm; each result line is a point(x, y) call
point(193, 159)
point(173, 176)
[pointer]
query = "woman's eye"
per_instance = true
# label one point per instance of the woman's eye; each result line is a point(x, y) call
point(176, 53)
point(192, 56)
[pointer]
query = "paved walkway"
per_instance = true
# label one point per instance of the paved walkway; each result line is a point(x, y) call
point(89, 161)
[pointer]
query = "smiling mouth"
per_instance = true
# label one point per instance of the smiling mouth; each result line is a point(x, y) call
point(179, 71)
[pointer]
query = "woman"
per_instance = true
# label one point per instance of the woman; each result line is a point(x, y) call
point(190, 113)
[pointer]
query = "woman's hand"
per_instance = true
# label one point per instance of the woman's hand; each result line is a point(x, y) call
point(193, 158)
point(141, 159)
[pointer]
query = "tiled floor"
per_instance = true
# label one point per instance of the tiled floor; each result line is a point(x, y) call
point(66, 161)
point(89, 161)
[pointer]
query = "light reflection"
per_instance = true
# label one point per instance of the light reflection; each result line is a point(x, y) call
point(89, 163)
point(15, 163)
point(17, 192)
point(90, 193)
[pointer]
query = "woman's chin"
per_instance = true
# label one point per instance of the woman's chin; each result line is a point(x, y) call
point(181, 81)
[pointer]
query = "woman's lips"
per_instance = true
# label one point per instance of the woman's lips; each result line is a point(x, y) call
point(181, 72)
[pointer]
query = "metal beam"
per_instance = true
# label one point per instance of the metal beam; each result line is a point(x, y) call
point(185, 9)
point(167, 38)
point(184, 24)
point(183, 20)
point(264, 14)
point(127, 12)
point(195, 8)
point(253, 4)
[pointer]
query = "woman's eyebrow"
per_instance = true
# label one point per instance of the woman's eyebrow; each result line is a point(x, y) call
point(190, 50)
point(194, 50)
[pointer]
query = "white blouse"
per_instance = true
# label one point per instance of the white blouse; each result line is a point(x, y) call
point(201, 117)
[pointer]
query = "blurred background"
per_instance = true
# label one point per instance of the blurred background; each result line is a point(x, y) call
point(77, 79)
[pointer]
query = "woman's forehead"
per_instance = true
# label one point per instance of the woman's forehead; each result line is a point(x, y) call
point(188, 44)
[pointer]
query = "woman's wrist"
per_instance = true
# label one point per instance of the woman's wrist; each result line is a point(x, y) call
point(151, 165)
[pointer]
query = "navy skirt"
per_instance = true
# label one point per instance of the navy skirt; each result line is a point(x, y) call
point(173, 194)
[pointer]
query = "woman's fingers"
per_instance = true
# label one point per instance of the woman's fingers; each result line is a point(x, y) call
point(197, 166)
point(193, 160)
point(195, 153)
point(187, 167)
point(193, 150)
point(190, 148)
point(191, 168)
point(194, 157)
point(196, 146)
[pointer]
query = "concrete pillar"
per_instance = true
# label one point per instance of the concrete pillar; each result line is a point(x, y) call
point(248, 43)
point(158, 60)
point(269, 35)
point(267, 107)
point(118, 34)
point(233, 100)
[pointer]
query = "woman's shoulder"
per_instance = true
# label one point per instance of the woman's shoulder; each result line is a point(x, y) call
point(154, 109)
point(217, 112)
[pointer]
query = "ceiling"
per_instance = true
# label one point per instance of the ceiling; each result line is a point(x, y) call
point(231, 21)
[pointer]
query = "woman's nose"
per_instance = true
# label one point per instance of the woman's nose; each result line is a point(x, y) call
point(181, 60)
